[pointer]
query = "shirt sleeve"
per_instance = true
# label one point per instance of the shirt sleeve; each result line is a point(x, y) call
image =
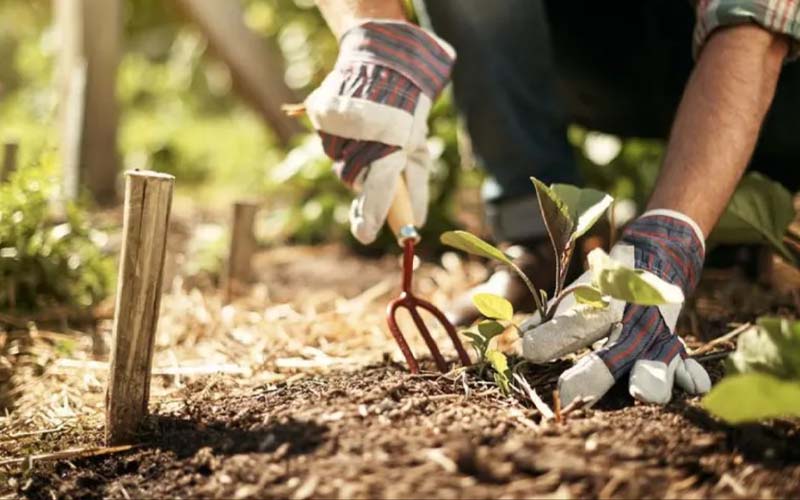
point(777, 16)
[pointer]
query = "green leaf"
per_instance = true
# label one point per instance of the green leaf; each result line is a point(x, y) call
point(557, 218)
point(478, 340)
point(462, 240)
point(585, 206)
point(753, 396)
point(493, 306)
point(772, 346)
point(591, 296)
point(634, 286)
point(474, 337)
point(760, 210)
point(499, 364)
point(490, 329)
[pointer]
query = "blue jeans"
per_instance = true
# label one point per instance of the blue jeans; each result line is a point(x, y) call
point(526, 68)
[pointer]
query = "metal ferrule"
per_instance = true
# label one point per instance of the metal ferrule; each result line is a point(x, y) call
point(406, 233)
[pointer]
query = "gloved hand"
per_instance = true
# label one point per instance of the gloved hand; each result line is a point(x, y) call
point(371, 112)
point(641, 339)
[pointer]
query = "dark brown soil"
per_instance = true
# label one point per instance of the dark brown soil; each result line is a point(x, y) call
point(381, 432)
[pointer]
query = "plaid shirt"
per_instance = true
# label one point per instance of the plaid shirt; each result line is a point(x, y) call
point(777, 16)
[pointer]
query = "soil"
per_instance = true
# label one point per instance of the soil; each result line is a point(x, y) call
point(381, 432)
point(323, 409)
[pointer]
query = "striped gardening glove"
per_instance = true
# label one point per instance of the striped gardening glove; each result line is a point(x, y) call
point(641, 339)
point(371, 112)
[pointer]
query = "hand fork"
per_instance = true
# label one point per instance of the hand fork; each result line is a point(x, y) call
point(401, 220)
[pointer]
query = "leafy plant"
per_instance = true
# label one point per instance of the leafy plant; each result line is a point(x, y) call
point(763, 378)
point(496, 309)
point(761, 210)
point(41, 262)
point(568, 213)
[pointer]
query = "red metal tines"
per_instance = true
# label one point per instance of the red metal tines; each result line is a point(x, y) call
point(408, 300)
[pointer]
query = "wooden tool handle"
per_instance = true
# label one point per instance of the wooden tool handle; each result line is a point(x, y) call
point(401, 216)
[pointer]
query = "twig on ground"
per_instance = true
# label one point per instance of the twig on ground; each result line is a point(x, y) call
point(73, 453)
point(526, 390)
point(66, 364)
point(719, 340)
point(575, 405)
point(713, 356)
point(465, 385)
point(19, 435)
point(306, 364)
point(365, 298)
point(557, 406)
point(440, 458)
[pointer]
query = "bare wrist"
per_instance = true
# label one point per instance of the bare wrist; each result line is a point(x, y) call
point(341, 15)
point(753, 38)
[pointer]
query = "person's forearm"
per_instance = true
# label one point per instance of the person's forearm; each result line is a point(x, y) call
point(717, 123)
point(341, 15)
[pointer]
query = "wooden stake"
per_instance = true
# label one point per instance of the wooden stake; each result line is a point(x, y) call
point(9, 160)
point(148, 198)
point(242, 247)
point(89, 37)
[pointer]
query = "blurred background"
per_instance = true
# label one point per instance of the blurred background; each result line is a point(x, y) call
point(90, 88)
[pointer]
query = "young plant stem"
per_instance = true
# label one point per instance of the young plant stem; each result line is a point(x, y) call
point(560, 297)
point(562, 267)
point(536, 299)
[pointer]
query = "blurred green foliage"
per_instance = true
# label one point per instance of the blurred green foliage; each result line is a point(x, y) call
point(178, 114)
point(43, 262)
point(625, 169)
point(27, 96)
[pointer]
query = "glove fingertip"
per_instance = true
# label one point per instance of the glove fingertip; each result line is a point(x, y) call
point(360, 227)
point(589, 379)
point(363, 233)
point(697, 376)
point(651, 382)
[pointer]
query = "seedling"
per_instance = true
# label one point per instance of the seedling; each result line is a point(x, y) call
point(763, 379)
point(496, 309)
point(568, 213)
point(760, 211)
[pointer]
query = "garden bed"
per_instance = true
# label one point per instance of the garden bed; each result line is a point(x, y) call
point(312, 402)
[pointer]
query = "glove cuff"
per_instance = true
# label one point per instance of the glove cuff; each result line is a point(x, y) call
point(681, 217)
point(415, 53)
point(669, 245)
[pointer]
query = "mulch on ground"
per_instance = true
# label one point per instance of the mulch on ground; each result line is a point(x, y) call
point(313, 403)
point(381, 432)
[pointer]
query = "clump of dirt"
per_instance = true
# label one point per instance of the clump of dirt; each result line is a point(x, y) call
point(382, 432)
